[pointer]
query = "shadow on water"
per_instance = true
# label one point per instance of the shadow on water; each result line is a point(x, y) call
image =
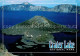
point(64, 36)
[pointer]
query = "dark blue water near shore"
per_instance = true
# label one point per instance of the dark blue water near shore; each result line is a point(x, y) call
point(15, 17)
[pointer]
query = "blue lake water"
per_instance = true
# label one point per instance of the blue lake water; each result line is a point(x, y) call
point(12, 18)
point(15, 17)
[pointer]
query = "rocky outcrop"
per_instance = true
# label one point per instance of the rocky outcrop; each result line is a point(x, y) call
point(4, 51)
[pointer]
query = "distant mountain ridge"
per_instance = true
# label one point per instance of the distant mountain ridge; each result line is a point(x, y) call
point(24, 7)
point(65, 8)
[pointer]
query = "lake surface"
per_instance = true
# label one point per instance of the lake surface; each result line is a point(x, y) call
point(15, 17)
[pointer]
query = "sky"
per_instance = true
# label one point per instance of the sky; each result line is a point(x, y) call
point(48, 3)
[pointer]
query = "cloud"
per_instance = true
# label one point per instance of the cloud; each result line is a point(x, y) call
point(10, 1)
point(38, 1)
point(1, 1)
